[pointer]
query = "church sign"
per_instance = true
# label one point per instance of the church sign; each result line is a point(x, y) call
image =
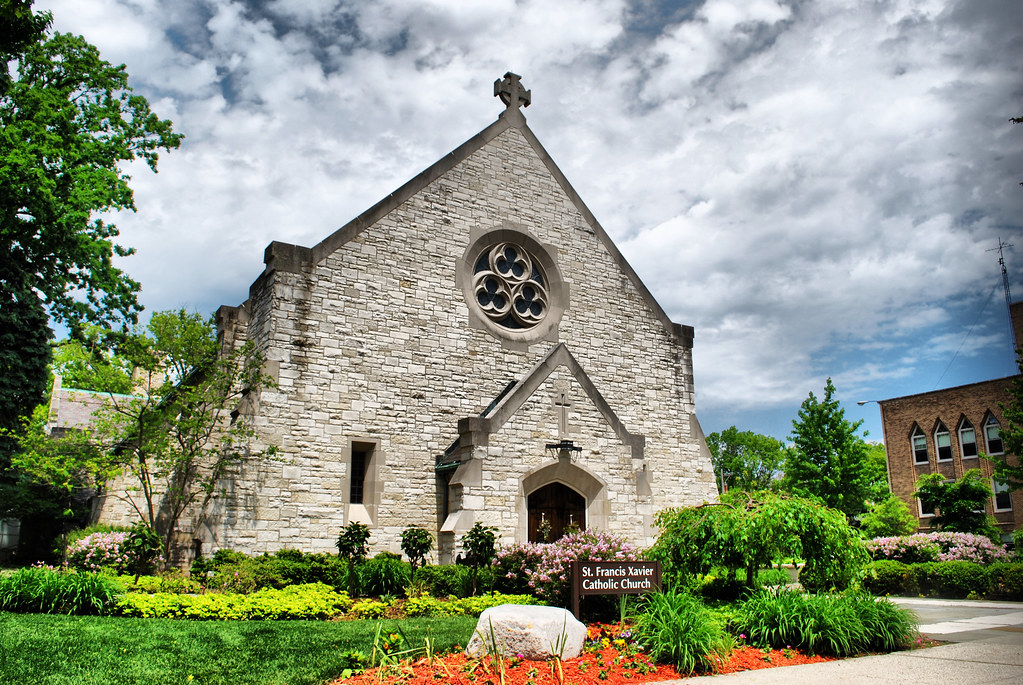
point(613, 578)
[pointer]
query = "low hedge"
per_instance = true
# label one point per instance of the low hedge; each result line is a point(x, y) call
point(949, 579)
point(308, 601)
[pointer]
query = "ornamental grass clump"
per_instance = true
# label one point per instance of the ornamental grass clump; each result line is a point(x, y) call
point(833, 624)
point(922, 547)
point(676, 628)
point(51, 591)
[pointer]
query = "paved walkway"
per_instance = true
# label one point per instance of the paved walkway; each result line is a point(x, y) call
point(986, 649)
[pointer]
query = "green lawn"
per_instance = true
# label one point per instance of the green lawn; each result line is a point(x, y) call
point(68, 650)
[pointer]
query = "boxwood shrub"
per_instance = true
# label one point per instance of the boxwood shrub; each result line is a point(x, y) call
point(441, 581)
point(1005, 581)
point(889, 578)
point(957, 579)
point(236, 572)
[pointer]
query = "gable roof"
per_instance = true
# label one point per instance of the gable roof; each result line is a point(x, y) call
point(476, 430)
point(286, 257)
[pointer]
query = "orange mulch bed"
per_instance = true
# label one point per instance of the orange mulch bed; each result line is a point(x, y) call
point(604, 661)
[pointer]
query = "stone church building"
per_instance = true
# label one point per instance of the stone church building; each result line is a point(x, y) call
point(472, 348)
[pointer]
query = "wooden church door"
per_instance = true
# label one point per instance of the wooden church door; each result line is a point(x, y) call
point(558, 504)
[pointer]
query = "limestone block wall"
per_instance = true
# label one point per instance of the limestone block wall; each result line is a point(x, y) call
point(517, 448)
point(373, 344)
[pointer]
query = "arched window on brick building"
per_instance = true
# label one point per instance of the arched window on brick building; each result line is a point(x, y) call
point(943, 442)
point(919, 441)
point(967, 439)
point(993, 435)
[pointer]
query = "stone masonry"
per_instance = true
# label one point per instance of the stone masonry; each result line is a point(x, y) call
point(383, 355)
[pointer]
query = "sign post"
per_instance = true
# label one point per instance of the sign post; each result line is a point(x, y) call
point(613, 578)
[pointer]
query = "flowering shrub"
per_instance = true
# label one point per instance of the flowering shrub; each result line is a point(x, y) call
point(99, 551)
point(922, 547)
point(543, 568)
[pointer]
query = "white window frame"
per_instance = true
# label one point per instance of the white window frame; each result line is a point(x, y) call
point(998, 489)
point(992, 422)
point(964, 426)
point(940, 431)
point(924, 514)
point(912, 443)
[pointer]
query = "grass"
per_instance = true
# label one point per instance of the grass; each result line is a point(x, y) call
point(68, 650)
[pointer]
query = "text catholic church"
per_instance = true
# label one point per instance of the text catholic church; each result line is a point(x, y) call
point(471, 348)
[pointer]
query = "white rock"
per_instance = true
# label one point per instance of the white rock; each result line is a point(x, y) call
point(535, 632)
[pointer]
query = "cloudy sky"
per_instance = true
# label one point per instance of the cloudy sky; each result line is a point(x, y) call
point(815, 186)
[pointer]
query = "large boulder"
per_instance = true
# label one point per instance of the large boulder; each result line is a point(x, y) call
point(537, 633)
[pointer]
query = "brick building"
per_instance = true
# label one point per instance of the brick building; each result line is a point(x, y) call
point(472, 348)
point(944, 431)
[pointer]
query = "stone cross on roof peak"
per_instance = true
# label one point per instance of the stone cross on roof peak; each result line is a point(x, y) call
point(510, 90)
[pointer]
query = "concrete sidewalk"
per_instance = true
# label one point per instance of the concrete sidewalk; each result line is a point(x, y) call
point(987, 649)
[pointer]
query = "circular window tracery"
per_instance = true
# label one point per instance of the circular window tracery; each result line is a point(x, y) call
point(510, 287)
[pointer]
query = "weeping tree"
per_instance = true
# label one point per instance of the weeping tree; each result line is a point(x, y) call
point(746, 531)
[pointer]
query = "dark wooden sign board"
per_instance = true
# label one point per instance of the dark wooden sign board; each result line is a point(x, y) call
point(613, 578)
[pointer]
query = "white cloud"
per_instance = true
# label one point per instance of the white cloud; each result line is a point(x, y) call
point(813, 186)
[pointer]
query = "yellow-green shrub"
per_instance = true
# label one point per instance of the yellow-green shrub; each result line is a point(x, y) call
point(309, 601)
point(369, 608)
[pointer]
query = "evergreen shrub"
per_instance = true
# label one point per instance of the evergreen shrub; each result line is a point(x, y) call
point(957, 579)
point(441, 581)
point(237, 572)
point(951, 579)
point(1005, 581)
point(887, 577)
point(725, 588)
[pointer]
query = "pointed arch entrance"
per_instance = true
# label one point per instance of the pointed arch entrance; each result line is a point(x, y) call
point(563, 490)
point(558, 505)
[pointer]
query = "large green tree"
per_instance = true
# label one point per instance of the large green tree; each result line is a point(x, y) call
point(829, 460)
point(745, 460)
point(70, 122)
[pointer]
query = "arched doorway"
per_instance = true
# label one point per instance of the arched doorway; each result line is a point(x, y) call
point(559, 504)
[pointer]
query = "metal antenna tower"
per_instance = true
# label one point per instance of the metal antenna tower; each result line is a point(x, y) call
point(1008, 296)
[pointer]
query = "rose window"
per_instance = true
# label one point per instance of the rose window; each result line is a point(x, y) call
point(509, 287)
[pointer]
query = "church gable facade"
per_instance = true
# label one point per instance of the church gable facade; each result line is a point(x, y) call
point(471, 349)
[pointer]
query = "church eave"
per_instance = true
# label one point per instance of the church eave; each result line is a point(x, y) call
point(285, 257)
point(290, 258)
point(677, 332)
